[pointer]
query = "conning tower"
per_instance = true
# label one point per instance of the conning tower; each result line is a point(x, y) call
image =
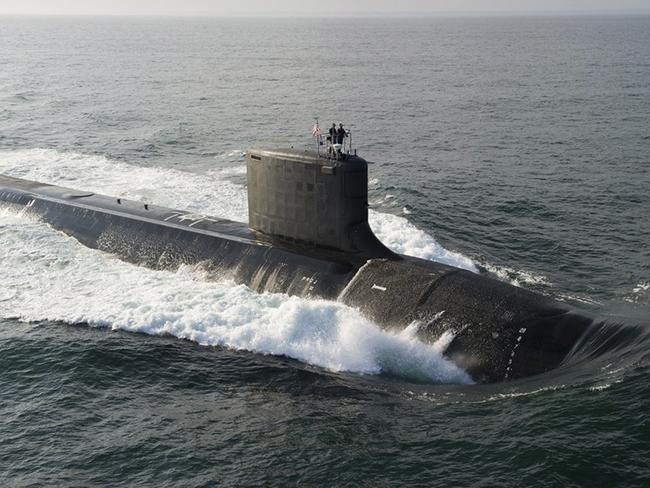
point(305, 197)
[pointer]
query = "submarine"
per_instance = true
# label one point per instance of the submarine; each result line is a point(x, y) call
point(308, 235)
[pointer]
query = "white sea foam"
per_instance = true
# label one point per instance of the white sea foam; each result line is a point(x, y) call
point(212, 193)
point(517, 394)
point(234, 155)
point(403, 237)
point(641, 287)
point(49, 276)
point(516, 277)
point(639, 293)
point(569, 297)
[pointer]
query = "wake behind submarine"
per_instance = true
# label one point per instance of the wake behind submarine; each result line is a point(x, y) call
point(308, 235)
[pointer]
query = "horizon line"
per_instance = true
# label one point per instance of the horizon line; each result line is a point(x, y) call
point(392, 14)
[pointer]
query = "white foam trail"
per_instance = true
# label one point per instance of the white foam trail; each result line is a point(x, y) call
point(639, 293)
point(212, 193)
point(516, 277)
point(576, 298)
point(400, 235)
point(232, 156)
point(49, 276)
point(641, 287)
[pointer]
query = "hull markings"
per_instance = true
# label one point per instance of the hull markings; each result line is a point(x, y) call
point(522, 331)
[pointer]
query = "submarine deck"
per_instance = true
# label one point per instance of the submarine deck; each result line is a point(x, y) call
point(11, 189)
point(133, 209)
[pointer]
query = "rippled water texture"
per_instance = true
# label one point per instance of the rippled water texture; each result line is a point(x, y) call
point(518, 147)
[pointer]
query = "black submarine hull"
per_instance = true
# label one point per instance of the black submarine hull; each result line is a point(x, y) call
point(500, 332)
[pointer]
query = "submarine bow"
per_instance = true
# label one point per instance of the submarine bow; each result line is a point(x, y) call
point(308, 235)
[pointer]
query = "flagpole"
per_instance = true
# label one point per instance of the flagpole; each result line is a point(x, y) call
point(317, 137)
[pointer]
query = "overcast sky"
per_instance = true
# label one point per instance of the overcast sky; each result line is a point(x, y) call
point(307, 7)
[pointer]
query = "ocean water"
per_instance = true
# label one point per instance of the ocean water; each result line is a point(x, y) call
point(517, 147)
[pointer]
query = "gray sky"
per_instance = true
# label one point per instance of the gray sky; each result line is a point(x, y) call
point(307, 7)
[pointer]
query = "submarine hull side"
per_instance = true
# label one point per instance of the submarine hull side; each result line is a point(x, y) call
point(161, 238)
point(499, 332)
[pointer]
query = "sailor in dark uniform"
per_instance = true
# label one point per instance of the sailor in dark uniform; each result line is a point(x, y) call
point(340, 134)
point(332, 133)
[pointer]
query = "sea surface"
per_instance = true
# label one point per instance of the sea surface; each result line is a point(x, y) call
point(517, 147)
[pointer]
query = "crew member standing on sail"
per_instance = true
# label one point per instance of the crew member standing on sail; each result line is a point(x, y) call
point(340, 134)
point(332, 133)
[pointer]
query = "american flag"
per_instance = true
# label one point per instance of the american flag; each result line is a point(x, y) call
point(315, 132)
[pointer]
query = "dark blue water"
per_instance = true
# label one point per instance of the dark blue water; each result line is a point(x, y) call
point(518, 147)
